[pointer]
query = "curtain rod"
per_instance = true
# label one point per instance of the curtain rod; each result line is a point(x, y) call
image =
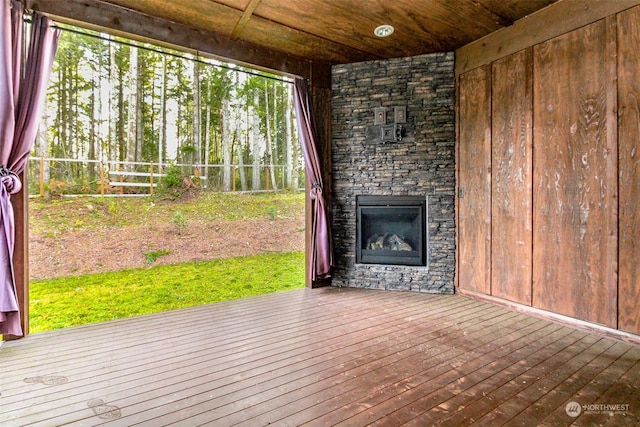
point(173, 54)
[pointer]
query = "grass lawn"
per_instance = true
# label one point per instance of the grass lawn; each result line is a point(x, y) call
point(72, 301)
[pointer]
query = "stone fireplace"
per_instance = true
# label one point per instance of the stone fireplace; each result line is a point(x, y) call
point(390, 230)
point(420, 166)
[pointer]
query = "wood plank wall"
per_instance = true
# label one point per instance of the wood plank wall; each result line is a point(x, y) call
point(474, 151)
point(511, 145)
point(629, 175)
point(565, 174)
point(574, 248)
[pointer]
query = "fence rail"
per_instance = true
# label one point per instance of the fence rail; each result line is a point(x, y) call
point(61, 176)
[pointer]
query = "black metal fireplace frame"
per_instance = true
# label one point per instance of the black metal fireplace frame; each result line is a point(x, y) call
point(385, 206)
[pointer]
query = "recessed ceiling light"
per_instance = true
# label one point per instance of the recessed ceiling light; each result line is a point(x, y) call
point(383, 30)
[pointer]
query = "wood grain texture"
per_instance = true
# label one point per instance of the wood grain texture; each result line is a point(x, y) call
point(629, 176)
point(425, 26)
point(575, 175)
point(316, 30)
point(511, 180)
point(475, 180)
point(98, 15)
point(331, 356)
point(545, 24)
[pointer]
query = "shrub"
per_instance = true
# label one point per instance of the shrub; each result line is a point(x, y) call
point(179, 221)
point(174, 184)
point(172, 179)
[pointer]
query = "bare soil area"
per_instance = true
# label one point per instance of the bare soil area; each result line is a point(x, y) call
point(118, 248)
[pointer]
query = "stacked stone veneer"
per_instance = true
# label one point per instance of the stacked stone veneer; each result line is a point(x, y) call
point(423, 163)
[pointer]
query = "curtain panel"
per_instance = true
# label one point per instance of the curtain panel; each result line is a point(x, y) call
point(321, 244)
point(21, 102)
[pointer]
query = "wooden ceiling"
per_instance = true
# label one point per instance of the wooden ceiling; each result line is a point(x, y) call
point(330, 31)
point(341, 31)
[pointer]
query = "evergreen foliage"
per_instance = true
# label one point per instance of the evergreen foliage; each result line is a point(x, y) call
point(117, 100)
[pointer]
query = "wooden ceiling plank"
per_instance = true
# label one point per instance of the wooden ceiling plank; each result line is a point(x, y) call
point(204, 14)
point(507, 12)
point(246, 15)
point(335, 32)
point(124, 22)
point(222, 16)
point(304, 44)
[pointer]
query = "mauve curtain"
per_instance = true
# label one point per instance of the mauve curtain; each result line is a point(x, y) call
point(321, 244)
point(21, 101)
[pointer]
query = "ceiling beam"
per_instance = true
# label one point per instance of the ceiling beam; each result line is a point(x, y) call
point(554, 20)
point(245, 18)
point(98, 14)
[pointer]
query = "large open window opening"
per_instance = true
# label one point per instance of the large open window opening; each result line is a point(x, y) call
point(148, 156)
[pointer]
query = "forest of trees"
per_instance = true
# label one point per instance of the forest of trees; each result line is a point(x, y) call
point(126, 103)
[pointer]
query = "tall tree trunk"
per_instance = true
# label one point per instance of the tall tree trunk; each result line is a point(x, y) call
point(133, 109)
point(179, 115)
point(93, 127)
point(276, 127)
point(269, 159)
point(197, 144)
point(42, 145)
point(111, 145)
point(292, 152)
point(73, 113)
point(121, 140)
point(207, 138)
point(139, 100)
point(243, 180)
point(62, 115)
point(102, 70)
point(255, 143)
point(73, 125)
point(227, 140)
point(241, 171)
point(162, 140)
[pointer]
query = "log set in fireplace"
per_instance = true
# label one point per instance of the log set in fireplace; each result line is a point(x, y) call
point(391, 230)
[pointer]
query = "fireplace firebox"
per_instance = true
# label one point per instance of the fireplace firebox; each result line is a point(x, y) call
point(391, 230)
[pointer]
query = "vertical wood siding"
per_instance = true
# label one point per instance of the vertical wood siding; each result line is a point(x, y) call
point(511, 180)
point(574, 251)
point(566, 112)
point(475, 180)
point(629, 184)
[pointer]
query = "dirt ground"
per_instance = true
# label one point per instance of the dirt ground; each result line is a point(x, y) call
point(113, 249)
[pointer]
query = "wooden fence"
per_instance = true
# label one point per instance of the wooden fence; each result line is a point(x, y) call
point(73, 176)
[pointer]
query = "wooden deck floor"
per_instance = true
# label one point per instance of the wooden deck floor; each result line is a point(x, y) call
point(323, 357)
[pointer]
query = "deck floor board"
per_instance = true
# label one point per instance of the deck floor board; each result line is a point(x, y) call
point(331, 356)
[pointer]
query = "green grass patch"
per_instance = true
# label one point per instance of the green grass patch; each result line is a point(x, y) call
point(72, 301)
point(152, 256)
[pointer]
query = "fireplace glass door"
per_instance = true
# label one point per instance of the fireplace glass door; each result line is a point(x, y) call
point(391, 230)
